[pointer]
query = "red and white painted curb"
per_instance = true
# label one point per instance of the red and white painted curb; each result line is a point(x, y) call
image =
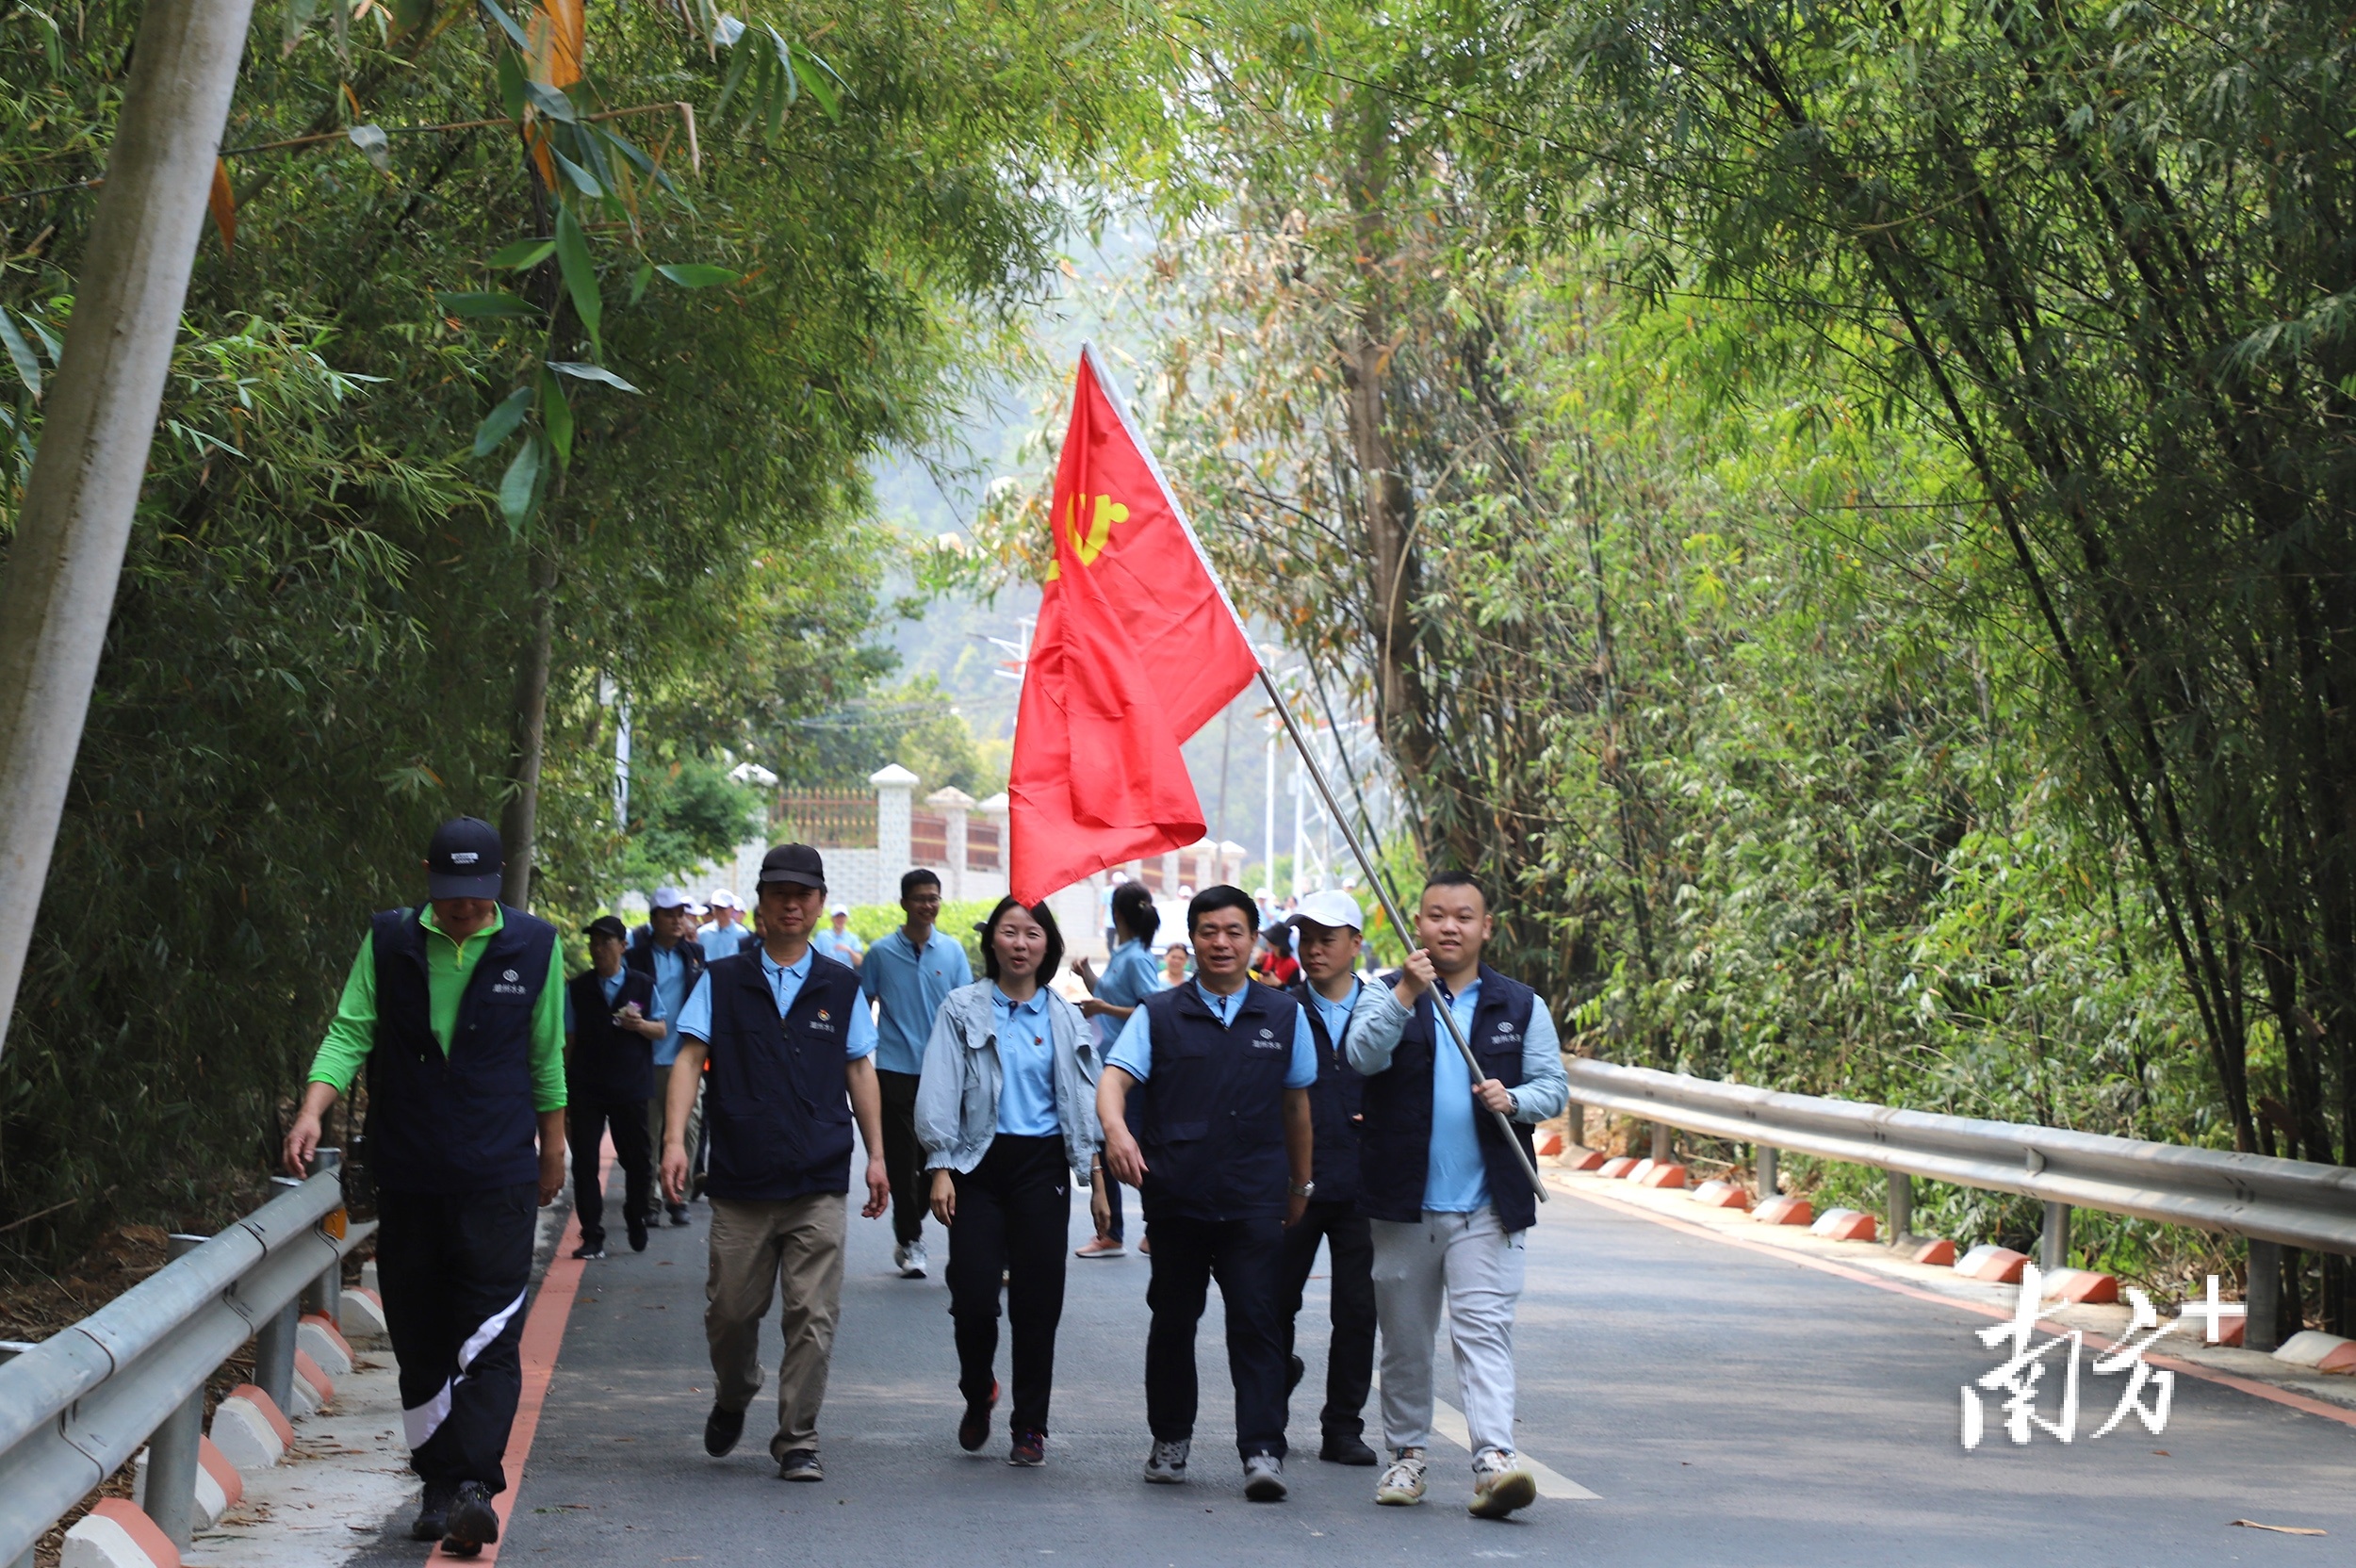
point(218, 1487)
point(1992, 1265)
point(325, 1343)
point(1784, 1211)
point(115, 1534)
point(2322, 1351)
point(1844, 1225)
point(251, 1430)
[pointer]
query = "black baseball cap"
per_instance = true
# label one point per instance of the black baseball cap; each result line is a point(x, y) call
point(798, 864)
point(607, 926)
point(464, 859)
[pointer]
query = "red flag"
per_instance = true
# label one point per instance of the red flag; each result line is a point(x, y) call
point(1136, 647)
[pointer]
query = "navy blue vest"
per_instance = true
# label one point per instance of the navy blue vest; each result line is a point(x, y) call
point(776, 1102)
point(639, 955)
point(463, 1122)
point(1212, 1127)
point(1333, 1104)
point(608, 1064)
point(1394, 1149)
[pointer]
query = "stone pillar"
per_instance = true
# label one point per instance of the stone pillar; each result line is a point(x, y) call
point(1172, 877)
point(952, 804)
point(894, 789)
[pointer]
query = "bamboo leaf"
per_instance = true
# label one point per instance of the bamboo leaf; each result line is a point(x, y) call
point(519, 484)
point(21, 354)
point(735, 80)
point(501, 422)
point(523, 253)
point(589, 373)
point(582, 180)
point(827, 97)
point(581, 274)
point(548, 101)
point(556, 417)
point(512, 81)
point(638, 281)
point(507, 25)
point(697, 274)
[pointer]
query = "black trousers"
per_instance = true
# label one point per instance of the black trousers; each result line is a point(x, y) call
point(1245, 1256)
point(453, 1269)
point(585, 1124)
point(904, 1157)
point(1014, 1217)
point(1350, 1361)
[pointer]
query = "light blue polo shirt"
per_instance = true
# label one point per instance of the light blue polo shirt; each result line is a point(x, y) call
point(908, 987)
point(785, 983)
point(1133, 1053)
point(1130, 977)
point(670, 994)
point(1457, 1180)
point(1027, 1063)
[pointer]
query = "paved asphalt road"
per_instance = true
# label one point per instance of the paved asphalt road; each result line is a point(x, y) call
point(1726, 1408)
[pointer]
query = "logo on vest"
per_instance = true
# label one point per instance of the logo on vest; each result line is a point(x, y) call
point(507, 975)
point(822, 1025)
point(1267, 1041)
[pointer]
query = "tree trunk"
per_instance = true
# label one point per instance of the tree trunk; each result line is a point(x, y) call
point(67, 555)
point(521, 820)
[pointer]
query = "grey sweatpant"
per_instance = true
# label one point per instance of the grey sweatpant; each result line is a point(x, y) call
point(1470, 1265)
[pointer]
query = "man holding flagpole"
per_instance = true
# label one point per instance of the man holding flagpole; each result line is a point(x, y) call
point(1443, 1189)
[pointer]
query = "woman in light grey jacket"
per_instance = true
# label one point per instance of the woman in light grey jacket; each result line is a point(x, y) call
point(1005, 1109)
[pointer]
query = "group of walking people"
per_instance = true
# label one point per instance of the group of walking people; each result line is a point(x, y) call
point(1258, 1123)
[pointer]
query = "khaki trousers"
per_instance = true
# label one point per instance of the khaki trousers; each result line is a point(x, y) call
point(795, 1246)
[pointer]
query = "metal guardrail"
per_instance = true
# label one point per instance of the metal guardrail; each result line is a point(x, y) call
point(2292, 1202)
point(76, 1406)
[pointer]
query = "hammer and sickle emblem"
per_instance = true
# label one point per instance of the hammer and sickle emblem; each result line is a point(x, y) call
point(1089, 537)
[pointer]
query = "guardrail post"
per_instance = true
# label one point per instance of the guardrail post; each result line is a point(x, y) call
point(1574, 1124)
point(326, 1294)
point(171, 1451)
point(2262, 1295)
point(2053, 1245)
point(1766, 1172)
point(1660, 1143)
point(1900, 1206)
point(274, 1341)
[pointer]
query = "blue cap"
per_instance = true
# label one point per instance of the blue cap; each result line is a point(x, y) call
point(464, 860)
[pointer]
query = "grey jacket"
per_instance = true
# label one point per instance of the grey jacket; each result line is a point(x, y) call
point(956, 1098)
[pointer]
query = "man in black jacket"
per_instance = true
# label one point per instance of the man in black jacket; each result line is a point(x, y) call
point(611, 1020)
point(1326, 941)
point(457, 1010)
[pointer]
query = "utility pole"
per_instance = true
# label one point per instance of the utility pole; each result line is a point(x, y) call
point(67, 556)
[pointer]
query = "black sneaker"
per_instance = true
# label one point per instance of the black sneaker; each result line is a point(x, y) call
point(1345, 1451)
point(637, 1233)
point(471, 1526)
point(722, 1428)
point(974, 1429)
point(590, 1252)
point(433, 1512)
point(678, 1215)
point(1294, 1369)
point(799, 1464)
point(1030, 1449)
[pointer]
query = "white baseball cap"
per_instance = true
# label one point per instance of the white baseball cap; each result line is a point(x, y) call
point(723, 899)
point(838, 909)
point(668, 898)
point(1330, 907)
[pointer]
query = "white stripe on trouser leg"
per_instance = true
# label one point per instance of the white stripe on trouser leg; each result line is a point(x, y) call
point(420, 1423)
point(425, 1420)
point(480, 1339)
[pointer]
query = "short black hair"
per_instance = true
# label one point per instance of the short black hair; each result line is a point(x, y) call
point(1040, 912)
point(1134, 908)
point(911, 880)
point(1457, 879)
point(1220, 895)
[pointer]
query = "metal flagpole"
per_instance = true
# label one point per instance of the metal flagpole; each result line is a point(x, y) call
point(1390, 908)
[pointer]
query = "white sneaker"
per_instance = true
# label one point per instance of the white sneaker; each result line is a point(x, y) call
point(1264, 1478)
point(899, 1259)
point(913, 1261)
point(1501, 1483)
point(1167, 1465)
point(1401, 1484)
